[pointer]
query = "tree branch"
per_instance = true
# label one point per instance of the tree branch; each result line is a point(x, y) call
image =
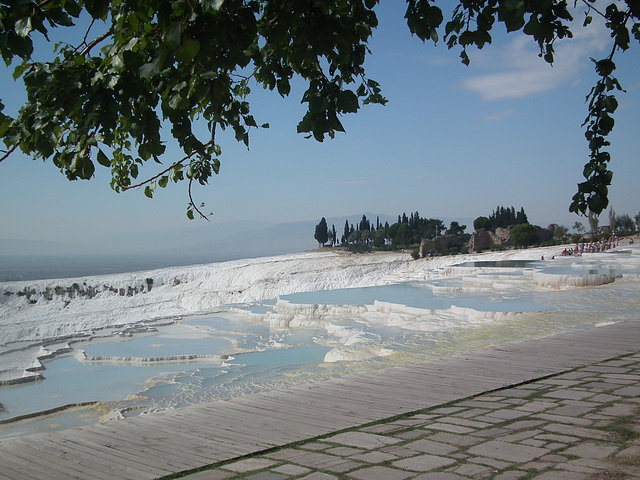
point(155, 177)
point(202, 215)
point(94, 42)
point(591, 7)
point(9, 152)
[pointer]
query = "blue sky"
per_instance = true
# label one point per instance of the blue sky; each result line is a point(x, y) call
point(453, 142)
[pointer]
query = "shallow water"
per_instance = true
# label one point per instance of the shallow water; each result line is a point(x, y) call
point(467, 307)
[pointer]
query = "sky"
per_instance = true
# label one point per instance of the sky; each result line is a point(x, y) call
point(453, 142)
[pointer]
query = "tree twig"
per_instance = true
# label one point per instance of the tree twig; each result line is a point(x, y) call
point(9, 152)
point(193, 204)
point(94, 42)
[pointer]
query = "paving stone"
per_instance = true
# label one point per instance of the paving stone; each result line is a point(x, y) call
point(324, 461)
point(518, 392)
point(344, 451)
point(287, 454)
point(315, 446)
point(383, 428)
point(491, 462)
point(537, 406)
point(474, 470)
point(591, 450)
point(555, 446)
point(554, 458)
point(579, 466)
point(364, 440)
point(575, 431)
point(619, 363)
point(619, 410)
point(508, 414)
point(629, 378)
point(414, 421)
point(537, 466)
point(481, 404)
point(489, 419)
point(374, 457)
point(518, 437)
point(399, 451)
point(411, 434)
point(568, 394)
point(561, 475)
point(440, 476)
point(508, 451)
point(601, 386)
point(464, 422)
point(319, 476)
point(380, 473)
point(534, 443)
point(447, 427)
point(575, 375)
point(552, 437)
point(523, 424)
point(605, 398)
point(429, 446)
point(560, 382)
point(573, 410)
point(421, 463)
point(454, 439)
point(602, 368)
point(266, 476)
point(290, 469)
point(491, 432)
point(210, 475)
point(511, 475)
point(250, 464)
point(472, 412)
point(582, 422)
point(633, 451)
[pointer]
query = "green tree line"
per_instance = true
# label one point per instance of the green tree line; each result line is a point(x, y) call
point(408, 231)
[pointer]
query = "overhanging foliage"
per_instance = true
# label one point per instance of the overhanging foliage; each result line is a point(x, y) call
point(144, 62)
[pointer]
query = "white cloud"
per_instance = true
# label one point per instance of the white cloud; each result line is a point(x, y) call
point(519, 72)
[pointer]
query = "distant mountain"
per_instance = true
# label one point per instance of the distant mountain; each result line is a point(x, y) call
point(32, 259)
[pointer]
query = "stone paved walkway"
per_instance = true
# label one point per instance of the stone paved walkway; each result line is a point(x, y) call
point(578, 425)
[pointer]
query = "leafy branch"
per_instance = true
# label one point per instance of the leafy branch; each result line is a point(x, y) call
point(593, 193)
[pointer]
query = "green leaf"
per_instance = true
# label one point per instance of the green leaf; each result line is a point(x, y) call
point(605, 124)
point(149, 189)
point(151, 69)
point(212, 5)
point(188, 50)
point(190, 214)
point(24, 27)
point(103, 159)
point(162, 181)
point(347, 102)
point(173, 35)
point(97, 8)
point(605, 67)
point(610, 103)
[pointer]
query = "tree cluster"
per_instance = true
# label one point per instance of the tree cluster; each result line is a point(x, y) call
point(408, 231)
point(501, 217)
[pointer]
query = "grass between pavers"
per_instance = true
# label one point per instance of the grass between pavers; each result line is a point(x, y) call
point(625, 428)
point(620, 427)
